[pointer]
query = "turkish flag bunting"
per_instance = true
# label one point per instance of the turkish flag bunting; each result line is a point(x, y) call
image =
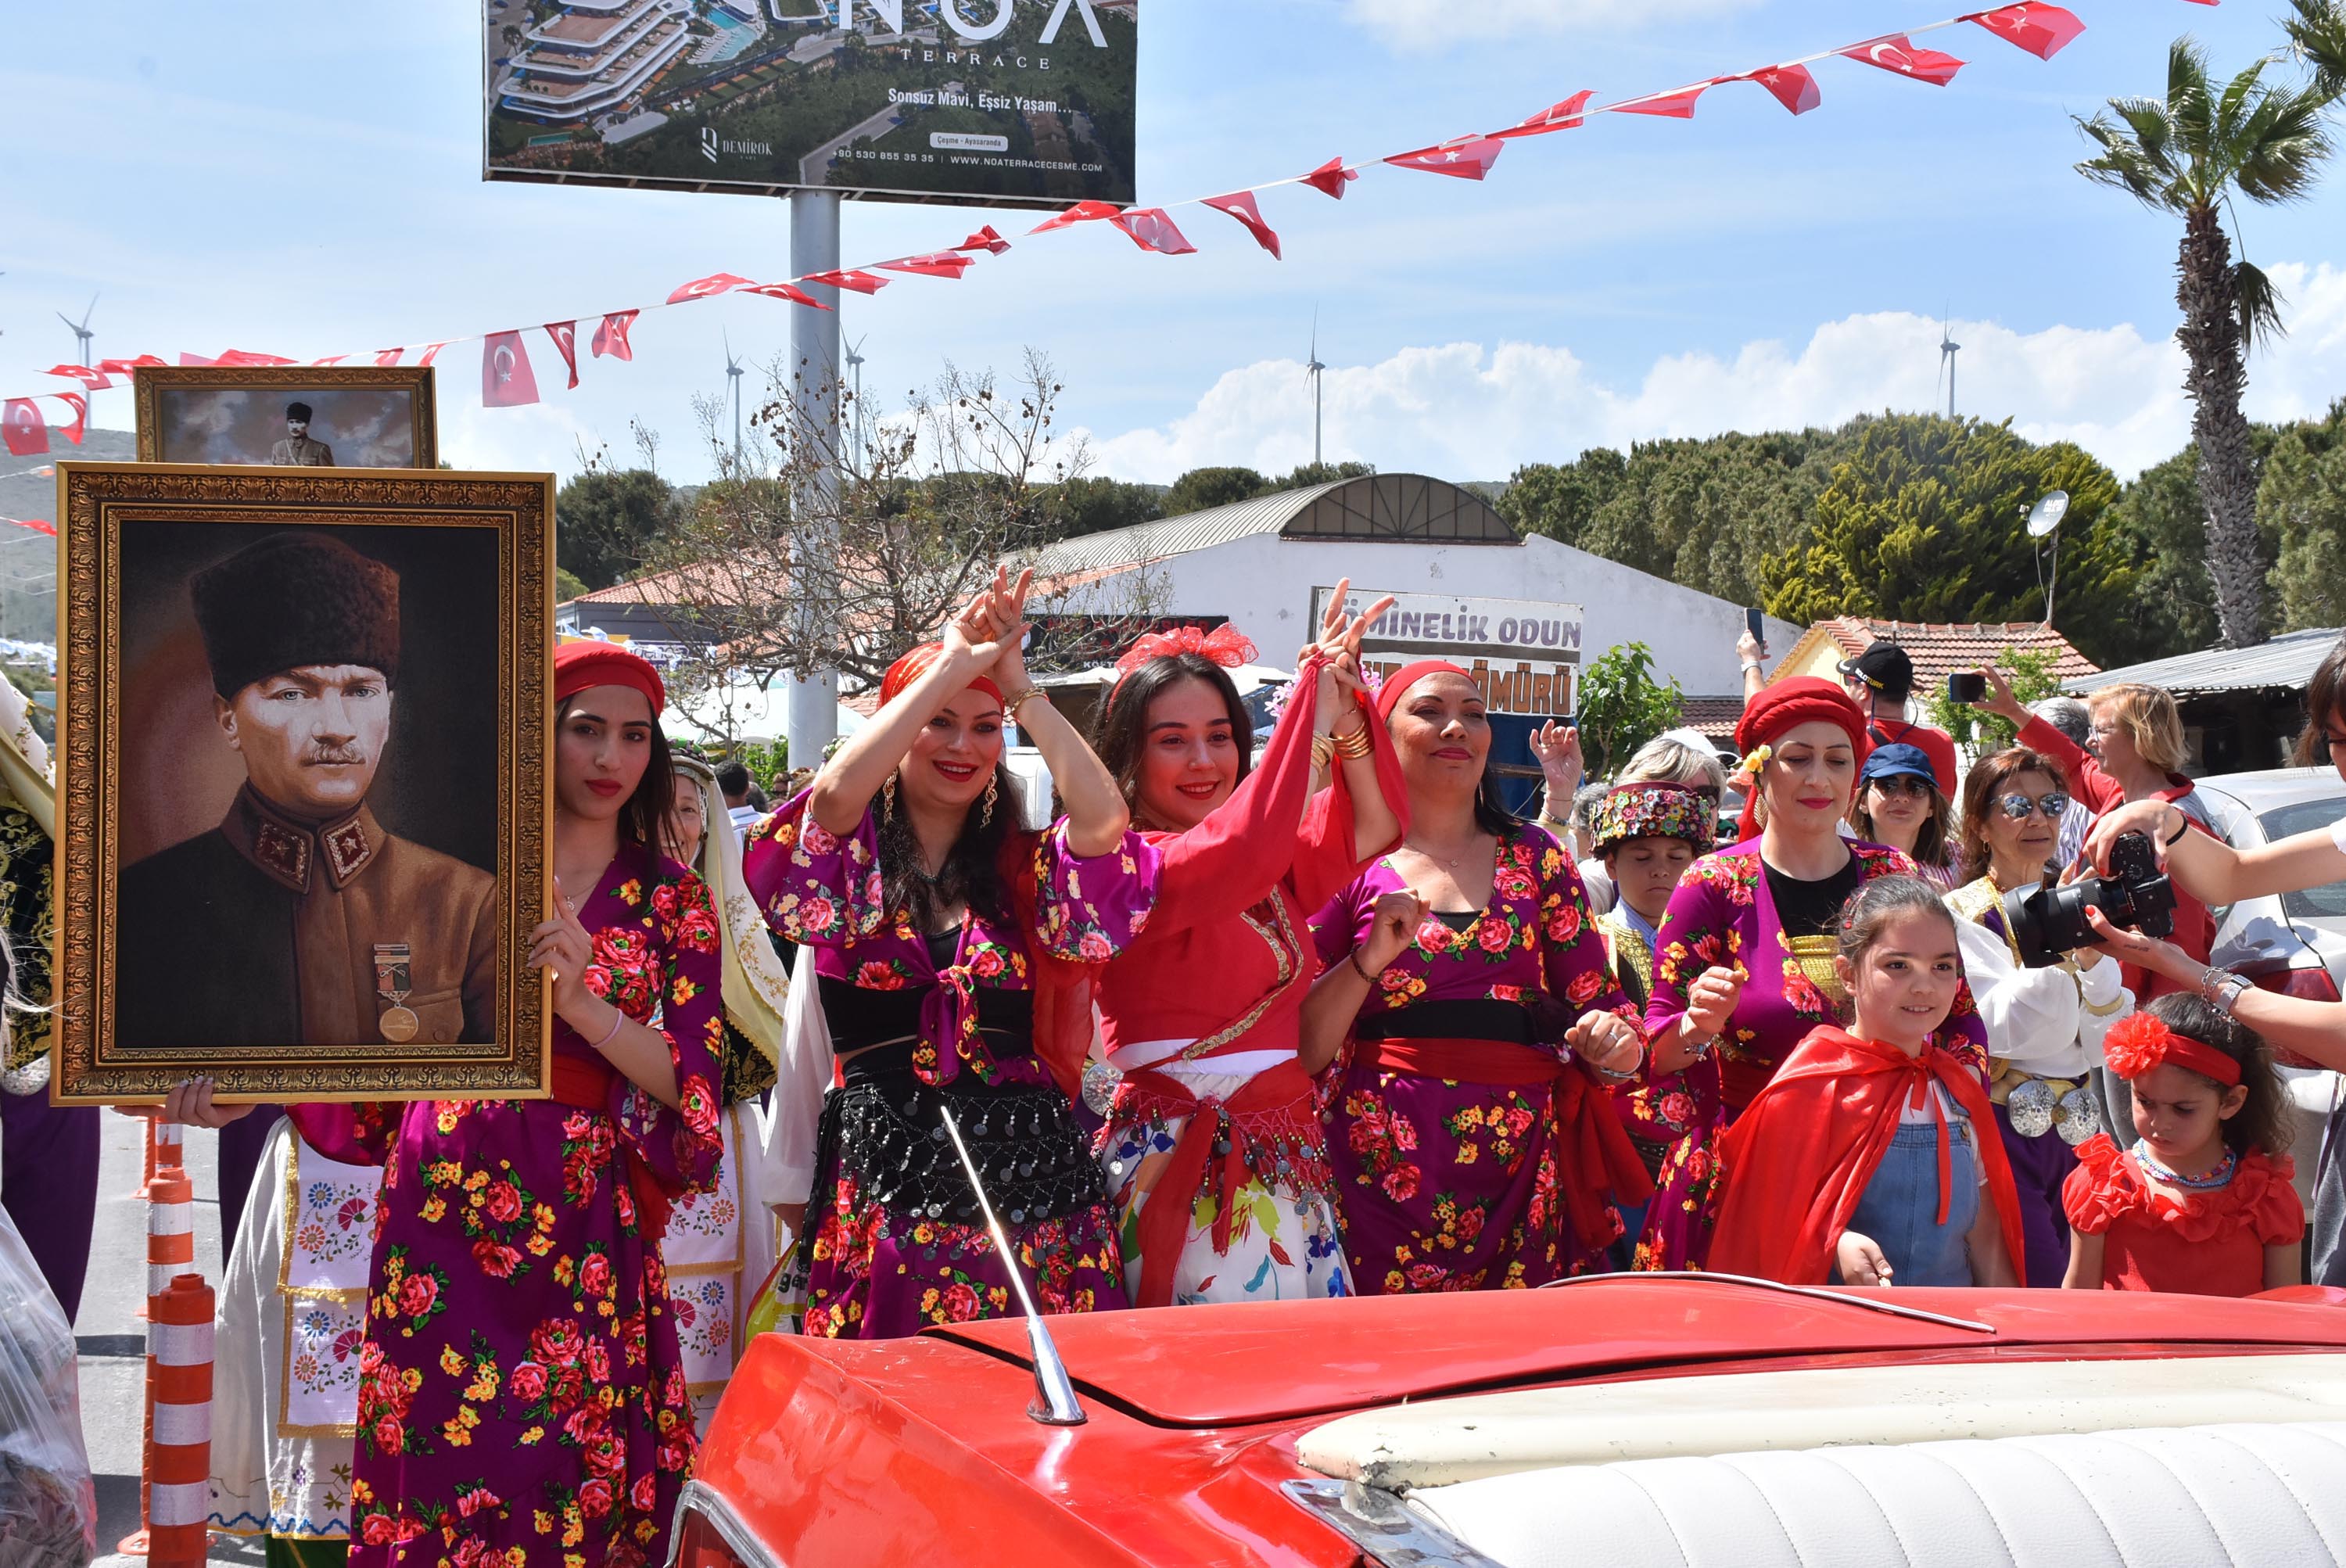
point(611, 336)
point(795, 295)
point(507, 380)
point(2042, 30)
point(702, 287)
point(1240, 204)
point(247, 357)
point(22, 427)
point(1468, 157)
point(984, 239)
point(80, 405)
point(388, 356)
point(1569, 115)
point(1795, 86)
point(1903, 56)
point(34, 524)
point(566, 340)
point(1081, 212)
point(1331, 177)
point(861, 282)
point(1677, 105)
point(334, 359)
point(91, 381)
point(1152, 229)
point(432, 351)
point(940, 264)
point(186, 360)
point(126, 366)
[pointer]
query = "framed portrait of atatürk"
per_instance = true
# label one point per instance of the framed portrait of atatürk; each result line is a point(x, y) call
point(288, 416)
point(303, 808)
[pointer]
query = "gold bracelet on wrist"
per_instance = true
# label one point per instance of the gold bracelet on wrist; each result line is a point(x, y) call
point(1323, 752)
point(1356, 744)
point(1011, 706)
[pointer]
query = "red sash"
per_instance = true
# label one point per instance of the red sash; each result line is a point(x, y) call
point(1593, 1155)
point(586, 1085)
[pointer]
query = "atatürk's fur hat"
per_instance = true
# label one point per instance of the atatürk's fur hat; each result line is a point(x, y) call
point(296, 599)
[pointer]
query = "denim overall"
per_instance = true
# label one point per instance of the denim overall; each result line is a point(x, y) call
point(1901, 1205)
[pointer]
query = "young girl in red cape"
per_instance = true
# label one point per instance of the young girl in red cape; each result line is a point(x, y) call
point(1865, 1160)
point(2202, 1204)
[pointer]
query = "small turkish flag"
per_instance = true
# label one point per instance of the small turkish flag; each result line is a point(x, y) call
point(34, 524)
point(1468, 157)
point(127, 367)
point(2042, 30)
point(1671, 106)
point(507, 380)
point(91, 381)
point(334, 360)
point(186, 360)
point(611, 336)
point(1903, 56)
point(941, 264)
point(1152, 229)
point(1331, 177)
point(1081, 212)
point(702, 288)
point(566, 340)
point(861, 282)
point(22, 428)
point(791, 292)
point(984, 239)
point(1240, 204)
point(388, 356)
point(80, 405)
point(432, 351)
point(1569, 115)
point(247, 357)
point(1794, 87)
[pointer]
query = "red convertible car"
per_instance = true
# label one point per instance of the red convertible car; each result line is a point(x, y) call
point(1680, 1421)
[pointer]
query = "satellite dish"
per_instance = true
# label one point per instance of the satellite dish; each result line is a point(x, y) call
point(2046, 515)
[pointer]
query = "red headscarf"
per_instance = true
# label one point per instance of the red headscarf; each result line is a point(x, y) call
point(1389, 695)
point(914, 665)
point(2142, 1040)
point(1804, 699)
point(582, 666)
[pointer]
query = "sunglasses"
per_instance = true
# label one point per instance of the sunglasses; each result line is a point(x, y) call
point(2017, 806)
point(1902, 784)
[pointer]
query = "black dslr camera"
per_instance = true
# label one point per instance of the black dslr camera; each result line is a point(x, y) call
point(2047, 923)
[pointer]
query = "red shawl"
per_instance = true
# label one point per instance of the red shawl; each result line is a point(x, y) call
point(1799, 1158)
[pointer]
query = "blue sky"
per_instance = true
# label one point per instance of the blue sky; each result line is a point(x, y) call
point(305, 182)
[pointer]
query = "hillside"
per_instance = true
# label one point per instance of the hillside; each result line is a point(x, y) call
point(28, 560)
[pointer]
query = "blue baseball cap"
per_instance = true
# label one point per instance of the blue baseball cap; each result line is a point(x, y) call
point(1889, 762)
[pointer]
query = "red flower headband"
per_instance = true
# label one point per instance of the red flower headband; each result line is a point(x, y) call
point(1225, 645)
point(2142, 1040)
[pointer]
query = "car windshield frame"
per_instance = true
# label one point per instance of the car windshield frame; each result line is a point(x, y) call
point(2327, 902)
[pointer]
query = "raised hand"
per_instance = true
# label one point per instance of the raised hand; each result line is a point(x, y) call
point(1999, 700)
point(1393, 921)
point(1557, 747)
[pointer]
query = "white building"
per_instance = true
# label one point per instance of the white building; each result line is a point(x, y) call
point(1256, 563)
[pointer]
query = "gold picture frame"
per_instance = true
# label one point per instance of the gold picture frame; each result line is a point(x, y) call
point(383, 416)
point(167, 596)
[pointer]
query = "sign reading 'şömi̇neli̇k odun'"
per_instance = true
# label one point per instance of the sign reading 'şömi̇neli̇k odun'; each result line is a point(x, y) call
point(1521, 652)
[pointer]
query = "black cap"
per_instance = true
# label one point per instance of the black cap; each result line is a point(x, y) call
point(300, 411)
point(1885, 668)
point(296, 599)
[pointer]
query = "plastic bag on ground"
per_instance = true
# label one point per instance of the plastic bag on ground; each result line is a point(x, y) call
point(48, 1501)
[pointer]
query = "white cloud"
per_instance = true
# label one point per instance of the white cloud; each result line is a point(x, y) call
point(1465, 411)
point(1426, 25)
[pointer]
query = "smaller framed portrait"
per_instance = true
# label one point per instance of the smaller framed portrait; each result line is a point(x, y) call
point(288, 416)
point(304, 810)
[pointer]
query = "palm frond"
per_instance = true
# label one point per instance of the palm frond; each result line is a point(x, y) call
point(2259, 302)
point(2282, 146)
point(2126, 164)
point(2190, 106)
point(2317, 34)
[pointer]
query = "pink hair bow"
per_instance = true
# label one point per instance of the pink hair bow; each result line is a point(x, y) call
point(1225, 645)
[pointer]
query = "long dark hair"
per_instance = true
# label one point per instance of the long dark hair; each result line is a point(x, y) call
point(1121, 734)
point(972, 874)
point(643, 818)
point(2325, 705)
point(2264, 1122)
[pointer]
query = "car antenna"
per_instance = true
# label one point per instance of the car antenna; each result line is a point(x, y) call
point(1055, 1403)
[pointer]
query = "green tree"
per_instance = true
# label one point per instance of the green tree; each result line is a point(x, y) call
point(606, 521)
point(568, 587)
point(1623, 705)
point(1311, 473)
point(1202, 489)
point(1560, 501)
point(2301, 501)
point(2318, 33)
point(2187, 155)
point(2032, 677)
point(1095, 505)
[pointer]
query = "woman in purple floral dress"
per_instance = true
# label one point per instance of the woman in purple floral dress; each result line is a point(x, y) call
point(521, 1400)
point(1472, 1029)
point(1743, 969)
point(953, 953)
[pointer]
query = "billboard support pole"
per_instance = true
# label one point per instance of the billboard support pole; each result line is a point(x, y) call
point(813, 720)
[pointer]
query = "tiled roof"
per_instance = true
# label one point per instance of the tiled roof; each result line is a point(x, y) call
point(1714, 716)
point(1939, 651)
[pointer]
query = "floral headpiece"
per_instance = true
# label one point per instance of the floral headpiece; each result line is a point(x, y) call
point(1225, 645)
point(2142, 1040)
point(1655, 810)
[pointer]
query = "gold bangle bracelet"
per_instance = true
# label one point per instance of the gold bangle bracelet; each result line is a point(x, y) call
point(1012, 707)
point(1355, 745)
point(1323, 752)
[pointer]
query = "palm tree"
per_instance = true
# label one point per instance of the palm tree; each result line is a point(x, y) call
point(2190, 153)
point(2318, 33)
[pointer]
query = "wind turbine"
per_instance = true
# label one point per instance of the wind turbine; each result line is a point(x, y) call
point(855, 363)
point(1313, 370)
point(1948, 349)
point(733, 375)
point(82, 334)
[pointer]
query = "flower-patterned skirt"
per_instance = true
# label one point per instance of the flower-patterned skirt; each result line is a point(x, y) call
point(898, 1242)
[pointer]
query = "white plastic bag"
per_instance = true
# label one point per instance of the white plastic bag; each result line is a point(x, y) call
point(48, 1502)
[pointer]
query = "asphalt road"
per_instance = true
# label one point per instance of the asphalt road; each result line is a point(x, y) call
point(113, 1337)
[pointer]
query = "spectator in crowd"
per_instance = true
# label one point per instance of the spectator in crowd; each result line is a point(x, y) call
point(1899, 803)
point(733, 782)
point(1880, 681)
point(2069, 716)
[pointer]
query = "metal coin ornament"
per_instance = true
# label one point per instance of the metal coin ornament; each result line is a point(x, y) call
point(397, 1023)
point(1099, 1086)
point(2031, 1108)
point(2081, 1117)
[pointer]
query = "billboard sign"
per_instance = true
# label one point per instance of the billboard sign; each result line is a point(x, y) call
point(1524, 654)
point(1004, 103)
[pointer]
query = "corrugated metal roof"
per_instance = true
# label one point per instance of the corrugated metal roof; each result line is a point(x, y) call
point(2287, 662)
point(1179, 535)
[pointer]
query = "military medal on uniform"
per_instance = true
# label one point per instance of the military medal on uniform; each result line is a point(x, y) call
point(391, 984)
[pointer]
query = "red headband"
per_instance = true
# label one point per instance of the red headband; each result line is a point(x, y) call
point(1390, 694)
point(1804, 699)
point(2142, 1040)
point(1225, 645)
point(914, 665)
point(582, 666)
